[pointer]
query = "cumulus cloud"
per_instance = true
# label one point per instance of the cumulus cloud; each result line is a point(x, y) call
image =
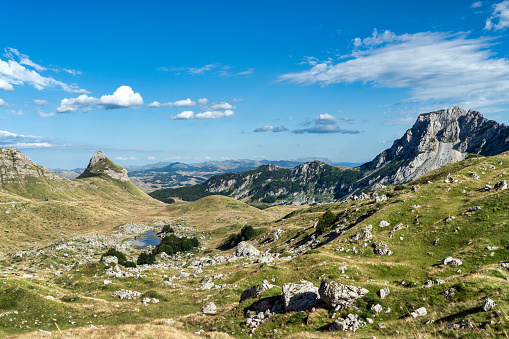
point(500, 13)
point(324, 123)
point(46, 115)
point(435, 66)
point(13, 72)
point(476, 4)
point(13, 140)
point(123, 97)
point(180, 103)
point(271, 129)
point(203, 101)
point(40, 102)
point(376, 39)
point(183, 116)
point(3, 103)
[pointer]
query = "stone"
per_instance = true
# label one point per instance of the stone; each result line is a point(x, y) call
point(255, 291)
point(210, 308)
point(299, 296)
point(475, 208)
point(245, 249)
point(452, 261)
point(377, 308)
point(488, 305)
point(276, 235)
point(350, 323)
point(501, 185)
point(421, 311)
point(384, 292)
point(109, 260)
point(381, 249)
point(126, 294)
point(384, 223)
point(339, 296)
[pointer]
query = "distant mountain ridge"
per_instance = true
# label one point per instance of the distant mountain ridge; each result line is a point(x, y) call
point(436, 139)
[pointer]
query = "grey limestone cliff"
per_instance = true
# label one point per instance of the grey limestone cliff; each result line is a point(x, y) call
point(16, 167)
point(436, 139)
point(100, 165)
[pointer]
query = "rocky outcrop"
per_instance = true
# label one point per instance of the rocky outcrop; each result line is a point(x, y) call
point(255, 291)
point(436, 139)
point(245, 249)
point(100, 165)
point(15, 167)
point(350, 323)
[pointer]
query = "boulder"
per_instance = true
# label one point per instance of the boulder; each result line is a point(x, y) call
point(245, 249)
point(210, 308)
point(381, 249)
point(277, 233)
point(488, 305)
point(501, 185)
point(299, 296)
point(377, 308)
point(339, 296)
point(384, 292)
point(452, 261)
point(421, 311)
point(384, 223)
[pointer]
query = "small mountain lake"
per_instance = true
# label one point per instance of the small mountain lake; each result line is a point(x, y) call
point(144, 240)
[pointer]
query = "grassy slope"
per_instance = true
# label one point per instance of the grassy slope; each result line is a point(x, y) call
point(414, 261)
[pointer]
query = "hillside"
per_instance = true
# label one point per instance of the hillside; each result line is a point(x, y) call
point(435, 247)
point(436, 139)
point(305, 184)
point(37, 206)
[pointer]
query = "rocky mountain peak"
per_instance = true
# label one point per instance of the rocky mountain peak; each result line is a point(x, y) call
point(438, 138)
point(100, 165)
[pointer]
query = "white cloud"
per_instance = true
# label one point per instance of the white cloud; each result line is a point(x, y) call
point(40, 102)
point(72, 105)
point(325, 119)
point(123, 97)
point(221, 106)
point(375, 39)
point(180, 103)
point(18, 112)
point(324, 123)
point(215, 114)
point(500, 13)
point(5, 86)
point(3, 103)
point(434, 66)
point(151, 158)
point(183, 116)
point(125, 158)
point(203, 101)
point(476, 4)
point(14, 73)
point(271, 129)
point(23, 59)
point(46, 115)
point(8, 139)
point(71, 71)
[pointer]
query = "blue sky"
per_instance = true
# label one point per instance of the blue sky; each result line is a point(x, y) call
point(197, 80)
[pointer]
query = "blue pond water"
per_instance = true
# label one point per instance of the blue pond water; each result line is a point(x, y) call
point(147, 239)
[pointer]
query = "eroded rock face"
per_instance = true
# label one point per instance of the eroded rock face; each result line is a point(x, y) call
point(255, 291)
point(299, 296)
point(339, 296)
point(350, 323)
point(436, 139)
point(210, 308)
point(16, 166)
point(100, 164)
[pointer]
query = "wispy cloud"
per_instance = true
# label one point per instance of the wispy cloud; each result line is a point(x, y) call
point(14, 72)
point(215, 68)
point(324, 123)
point(39, 102)
point(125, 158)
point(476, 4)
point(13, 140)
point(179, 103)
point(442, 67)
point(276, 129)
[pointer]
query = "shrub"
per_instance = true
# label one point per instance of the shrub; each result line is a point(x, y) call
point(247, 233)
point(122, 260)
point(171, 244)
point(325, 221)
point(167, 229)
point(146, 259)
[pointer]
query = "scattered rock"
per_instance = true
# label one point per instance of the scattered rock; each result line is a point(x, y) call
point(452, 261)
point(384, 292)
point(255, 291)
point(126, 294)
point(377, 308)
point(501, 185)
point(384, 223)
point(245, 249)
point(475, 208)
point(381, 249)
point(488, 305)
point(277, 233)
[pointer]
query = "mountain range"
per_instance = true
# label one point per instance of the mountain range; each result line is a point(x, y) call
point(437, 138)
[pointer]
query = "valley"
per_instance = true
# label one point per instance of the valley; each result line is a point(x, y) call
point(423, 258)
